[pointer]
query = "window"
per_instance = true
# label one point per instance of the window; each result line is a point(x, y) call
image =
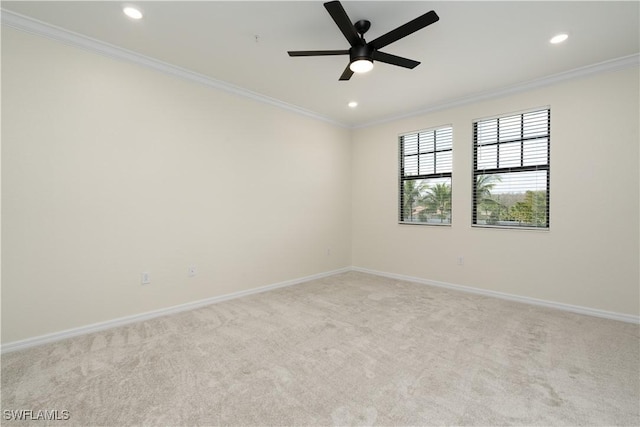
point(511, 170)
point(426, 161)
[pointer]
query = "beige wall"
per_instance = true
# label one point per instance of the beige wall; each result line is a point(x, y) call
point(590, 255)
point(110, 169)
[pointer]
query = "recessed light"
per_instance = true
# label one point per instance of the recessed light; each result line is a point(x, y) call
point(353, 104)
point(132, 12)
point(559, 38)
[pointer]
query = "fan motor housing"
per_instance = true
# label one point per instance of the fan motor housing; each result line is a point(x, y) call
point(360, 52)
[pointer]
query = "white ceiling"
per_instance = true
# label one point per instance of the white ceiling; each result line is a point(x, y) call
point(475, 48)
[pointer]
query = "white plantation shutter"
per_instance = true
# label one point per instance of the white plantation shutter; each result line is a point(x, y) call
point(511, 170)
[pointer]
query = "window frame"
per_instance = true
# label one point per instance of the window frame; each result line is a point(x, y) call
point(402, 178)
point(512, 169)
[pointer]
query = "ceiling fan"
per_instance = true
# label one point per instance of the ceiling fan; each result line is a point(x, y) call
point(362, 54)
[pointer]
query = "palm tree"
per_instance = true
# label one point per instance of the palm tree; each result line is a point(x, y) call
point(484, 185)
point(438, 200)
point(484, 201)
point(412, 191)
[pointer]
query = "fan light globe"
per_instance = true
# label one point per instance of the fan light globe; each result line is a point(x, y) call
point(361, 66)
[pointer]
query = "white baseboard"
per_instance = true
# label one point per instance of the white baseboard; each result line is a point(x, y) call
point(96, 327)
point(629, 318)
point(101, 326)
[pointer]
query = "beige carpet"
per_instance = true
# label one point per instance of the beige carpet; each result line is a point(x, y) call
point(351, 349)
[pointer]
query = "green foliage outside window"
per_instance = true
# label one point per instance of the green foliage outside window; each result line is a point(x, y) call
point(426, 202)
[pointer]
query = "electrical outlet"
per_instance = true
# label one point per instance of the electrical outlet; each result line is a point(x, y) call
point(328, 251)
point(145, 278)
point(460, 260)
point(192, 271)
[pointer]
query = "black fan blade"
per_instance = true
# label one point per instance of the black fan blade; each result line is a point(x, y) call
point(394, 60)
point(343, 22)
point(317, 52)
point(404, 30)
point(346, 74)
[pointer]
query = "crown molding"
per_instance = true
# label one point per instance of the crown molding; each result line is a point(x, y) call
point(601, 67)
point(34, 26)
